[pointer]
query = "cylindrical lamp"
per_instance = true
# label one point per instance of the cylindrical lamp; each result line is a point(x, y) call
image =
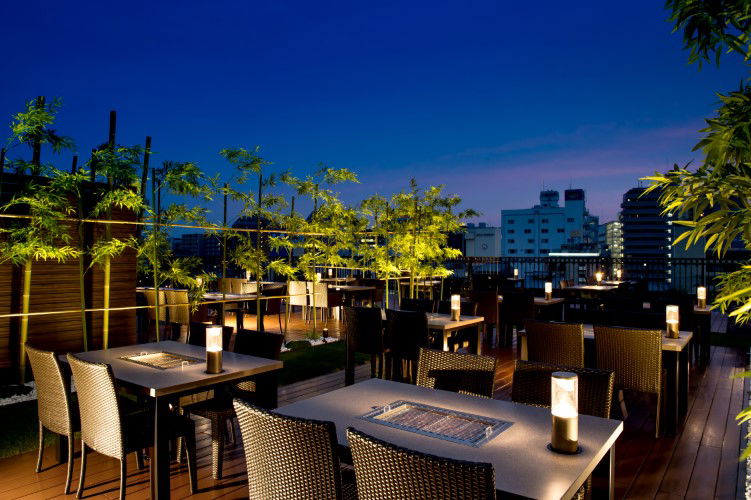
point(598, 277)
point(331, 272)
point(456, 307)
point(548, 290)
point(618, 274)
point(247, 275)
point(564, 403)
point(516, 273)
point(671, 318)
point(701, 296)
point(214, 349)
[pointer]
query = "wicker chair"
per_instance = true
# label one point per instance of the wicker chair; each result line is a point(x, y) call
point(290, 458)
point(418, 305)
point(452, 371)
point(487, 307)
point(531, 386)
point(363, 329)
point(556, 343)
point(178, 310)
point(150, 296)
point(261, 390)
point(197, 335)
point(517, 307)
point(56, 414)
point(385, 471)
point(108, 428)
point(298, 296)
point(635, 355)
point(406, 332)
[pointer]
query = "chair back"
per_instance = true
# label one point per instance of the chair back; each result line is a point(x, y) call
point(53, 391)
point(298, 293)
point(556, 343)
point(150, 296)
point(531, 385)
point(247, 287)
point(457, 372)
point(101, 427)
point(382, 467)
point(363, 328)
point(261, 344)
point(419, 305)
point(635, 355)
point(466, 307)
point(288, 457)
point(406, 332)
point(197, 335)
point(179, 310)
point(321, 294)
point(487, 304)
point(517, 306)
point(563, 284)
point(225, 285)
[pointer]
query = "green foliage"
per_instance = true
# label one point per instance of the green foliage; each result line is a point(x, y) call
point(712, 27)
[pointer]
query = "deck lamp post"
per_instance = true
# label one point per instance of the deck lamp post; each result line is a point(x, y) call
point(564, 400)
point(671, 318)
point(548, 290)
point(214, 349)
point(455, 307)
point(701, 296)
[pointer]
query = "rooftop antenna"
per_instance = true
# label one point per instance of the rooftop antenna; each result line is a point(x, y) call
point(570, 181)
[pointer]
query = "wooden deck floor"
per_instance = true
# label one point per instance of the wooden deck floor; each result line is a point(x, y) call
point(701, 462)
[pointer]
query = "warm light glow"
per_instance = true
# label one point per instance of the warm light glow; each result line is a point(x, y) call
point(564, 394)
point(516, 273)
point(618, 274)
point(199, 282)
point(214, 338)
point(318, 276)
point(671, 314)
point(598, 276)
point(247, 275)
point(455, 302)
point(701, 293)
point(331, 272)
point(548, 287)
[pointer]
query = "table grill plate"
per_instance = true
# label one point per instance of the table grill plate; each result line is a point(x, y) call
point(161, 360)
point(441, 423)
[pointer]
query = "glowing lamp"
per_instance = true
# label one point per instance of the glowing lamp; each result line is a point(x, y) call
point(671, 318)
point(318, 276)
point(455, 307)
point(331, 272)
point(564, 403)
point(618, 274)
point(701, 296)
point(548, 290)
point(516, 273)
point(214, 349)
point(247, 275)
point(598, 277)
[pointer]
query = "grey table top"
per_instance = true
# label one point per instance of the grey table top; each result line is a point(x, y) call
point(156, 382)
point(668, 344)
point(592, 288)
point(523, 464)
point(542, 301)
point(437, 321)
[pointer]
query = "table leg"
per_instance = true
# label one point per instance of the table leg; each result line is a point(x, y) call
point(159, 465)
point(606, 470)
point(683, 380)
point(349, 364)
point(445, 340)
point(479, 339)
point(239, 319)
point(672, 366)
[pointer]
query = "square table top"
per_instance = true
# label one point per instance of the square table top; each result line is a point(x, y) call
point(352, 288)
point(542, 301)
point(592, 288)
point(668, 344)
point(523, 464)
point(438, 321)
point(156, 382)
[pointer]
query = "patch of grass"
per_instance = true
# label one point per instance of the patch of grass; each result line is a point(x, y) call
point(20, 424)
point(309, 362)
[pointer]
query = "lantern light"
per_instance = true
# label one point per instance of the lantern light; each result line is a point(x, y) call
point(516, 273)
point(214, 349)
point(671, 318)
point(598, 277)
point(455, 307)
point(701, 296)
point(548, 290)
point(564, 401)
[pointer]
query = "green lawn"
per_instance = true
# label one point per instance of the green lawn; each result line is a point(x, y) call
point(19, 421)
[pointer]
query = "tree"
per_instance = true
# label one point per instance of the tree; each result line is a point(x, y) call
point(715, 198)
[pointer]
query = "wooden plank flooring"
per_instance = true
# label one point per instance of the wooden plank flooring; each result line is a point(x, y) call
point(701, 462)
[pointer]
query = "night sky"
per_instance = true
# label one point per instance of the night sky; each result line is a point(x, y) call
point(493, 99)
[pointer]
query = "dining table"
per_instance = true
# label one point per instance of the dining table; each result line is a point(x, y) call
point(524, 465)
point(164, 386)
point(444, 324)
point(675, 361)
point(351, 291)
point(543, 304)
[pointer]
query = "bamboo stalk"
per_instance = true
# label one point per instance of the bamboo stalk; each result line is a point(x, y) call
point(224, 254)
point(145, 174)
point(25, 301)
point(108, 238)
point(259, 313)
point(36, 156)
point(155, 207)
point(289, 260)
point(81, 263)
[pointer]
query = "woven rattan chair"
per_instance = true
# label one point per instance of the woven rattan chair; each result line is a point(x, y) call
point(418, 305)
point(385, 471)
point(531, 386)
point(517, 307)
point(298, 296)
point(556, 343)
point(290, 458)
point(150, 296)
point(451, 371)
point(363, 330)
point(108, 428)
point(178, 310)
point(635, 355)
point(406, 332)
point(260, 390)
point(56, 414)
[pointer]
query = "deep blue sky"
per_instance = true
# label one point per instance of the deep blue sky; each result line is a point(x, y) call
point(492, 98)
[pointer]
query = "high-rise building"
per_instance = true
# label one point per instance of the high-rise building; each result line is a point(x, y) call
point(481, 241)
point(549, 227)
point(611, 239)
